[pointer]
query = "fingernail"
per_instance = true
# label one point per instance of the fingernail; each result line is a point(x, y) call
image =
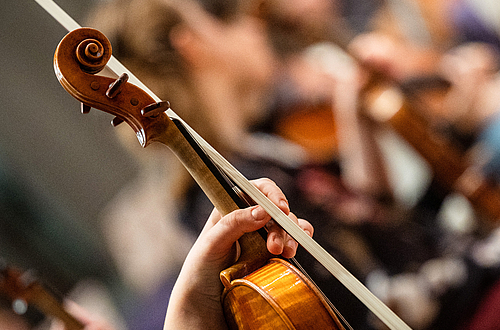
point(291, 244)
point(284, 204)
point(258, 213)
point(278, 240)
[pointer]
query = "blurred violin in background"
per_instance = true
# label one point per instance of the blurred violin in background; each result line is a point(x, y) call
point(23, 289)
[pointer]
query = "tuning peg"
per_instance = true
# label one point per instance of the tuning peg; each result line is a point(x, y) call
point(116, 121)
point(114, 88)
point(155, 109)
point(85, 108)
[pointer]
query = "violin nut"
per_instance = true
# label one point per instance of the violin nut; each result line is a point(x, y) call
point(115, 88)
point(155, 109)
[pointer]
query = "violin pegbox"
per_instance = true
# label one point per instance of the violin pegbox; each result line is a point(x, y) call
point(83, 53)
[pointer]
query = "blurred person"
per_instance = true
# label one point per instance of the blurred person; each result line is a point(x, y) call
point(202, 64)
point(467, 115)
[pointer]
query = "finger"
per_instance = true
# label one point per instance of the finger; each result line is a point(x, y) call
point(232, 226)
point(56, 325)
point(273, 192)
point(276, 238)
point(306, 226)
point(279, 242)
point(91, 321)
point(80, 313)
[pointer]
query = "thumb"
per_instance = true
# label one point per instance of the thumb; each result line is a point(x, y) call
point(232, 226)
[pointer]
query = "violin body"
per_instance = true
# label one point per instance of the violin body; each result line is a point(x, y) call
point(259, 301)
point(313, 127)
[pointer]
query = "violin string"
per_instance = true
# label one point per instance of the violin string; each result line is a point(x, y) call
point(384, 313)
point(332, 306)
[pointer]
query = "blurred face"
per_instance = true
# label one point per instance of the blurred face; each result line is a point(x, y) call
point(295, 9)
point(309, 14)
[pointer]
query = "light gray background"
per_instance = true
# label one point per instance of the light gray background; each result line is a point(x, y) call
point(72, 159)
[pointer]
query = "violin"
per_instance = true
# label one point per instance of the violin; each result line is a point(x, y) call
point(258, 287)
point(399, 109)
point(23, 289)
point(84, 52)
point(313, 127)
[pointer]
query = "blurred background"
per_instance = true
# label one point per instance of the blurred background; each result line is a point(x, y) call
point(298, 91)
point(58, 167)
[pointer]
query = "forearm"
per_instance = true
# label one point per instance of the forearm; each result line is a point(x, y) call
point(361, 160)
point(191, 309)
point(195, 299)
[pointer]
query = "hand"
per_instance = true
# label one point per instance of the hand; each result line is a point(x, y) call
point(195, 299)
point(472, 71)
point(90, 322)
point(394, 57)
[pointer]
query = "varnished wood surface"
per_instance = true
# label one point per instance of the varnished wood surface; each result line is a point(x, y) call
point(272, 303)
point(451, 167)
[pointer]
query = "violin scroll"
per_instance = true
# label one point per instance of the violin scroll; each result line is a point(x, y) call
point(92, 55)
point(79, 56)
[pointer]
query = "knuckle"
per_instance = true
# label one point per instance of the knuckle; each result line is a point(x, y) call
point(263, 182)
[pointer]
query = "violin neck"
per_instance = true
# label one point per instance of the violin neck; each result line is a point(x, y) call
point(450, 165)
point(221, 193)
